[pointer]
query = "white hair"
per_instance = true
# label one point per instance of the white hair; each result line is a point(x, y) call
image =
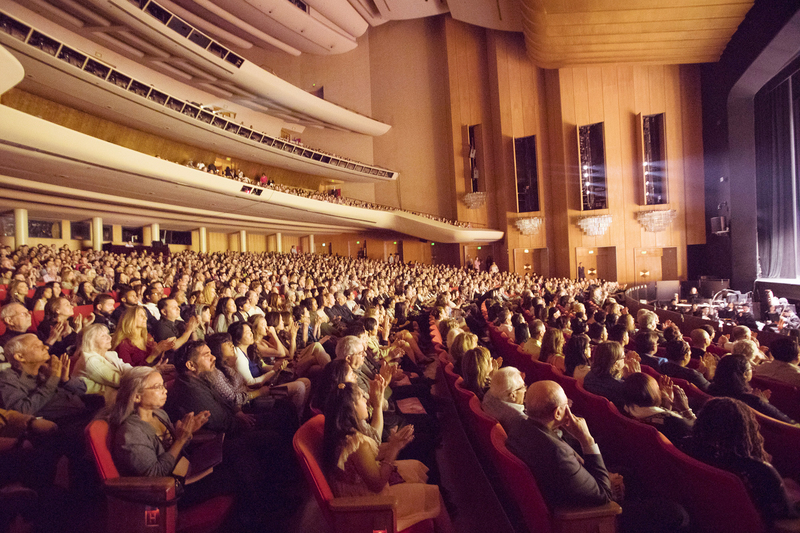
point(348, 346)
point(504, 382)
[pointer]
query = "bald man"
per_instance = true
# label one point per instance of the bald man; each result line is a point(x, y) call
point(538, 440)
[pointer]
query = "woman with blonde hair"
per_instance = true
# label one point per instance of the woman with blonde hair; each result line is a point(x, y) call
point(132, 342)
point(463, 343)
point(99, 367)
point(477, 367)
point(209, 294)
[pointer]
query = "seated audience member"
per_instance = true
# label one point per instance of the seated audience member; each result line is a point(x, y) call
point(597, 332)
point(678, 356)
point(648, 320)
point(39, 384)
point(336, 372)
point(128, 298)
point(563, 477)
point(103, 309)
point(170, 325)
point(99, 367)
point(17, 320)
point(242, 337)
point(732, 380)
point(522, 334)
point(784, 366)
point(477, 366)
point(726, 436)
point(750, 350)
point(672, 333)
point(659, 404)
point(505, 397)
point(59, 323)
point(738, 333)
point(503, 322)
point(534, 345)
point(463, 343)
point(133, 343)
point(577, 352)
point(255, 406)
point(150, 300)
point(552, 349)
point(40, 298)
point(339, 313)
point(647, 346)
point(565, 460)
point(85, 293)
point(356, 466)
point(609, 366)
point(226, 309)
point(701, 340)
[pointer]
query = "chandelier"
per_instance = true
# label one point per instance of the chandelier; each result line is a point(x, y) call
point(474, 200)
point(529, 226)
point(595, 225)
point(655, 221)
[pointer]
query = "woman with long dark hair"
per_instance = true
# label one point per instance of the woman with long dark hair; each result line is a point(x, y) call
point(726, 436)
point(358, 465)
point(732, 379)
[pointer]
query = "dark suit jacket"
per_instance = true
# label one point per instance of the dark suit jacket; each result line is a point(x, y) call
point(559, 473)
point(193, 395)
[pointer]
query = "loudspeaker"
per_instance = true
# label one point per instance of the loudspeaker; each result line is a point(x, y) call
point(719, 225)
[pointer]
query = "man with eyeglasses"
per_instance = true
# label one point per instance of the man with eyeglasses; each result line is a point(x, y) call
point(506, 396)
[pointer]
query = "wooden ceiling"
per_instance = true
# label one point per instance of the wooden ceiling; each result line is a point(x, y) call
point(564, 33)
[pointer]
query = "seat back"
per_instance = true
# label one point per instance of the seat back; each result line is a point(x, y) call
point(784, 396)
point(461, 397)
point(782, 441)
point(450, 377)
point(480, 425)
point(308, 449)
point(98, 442)
point(519, 483)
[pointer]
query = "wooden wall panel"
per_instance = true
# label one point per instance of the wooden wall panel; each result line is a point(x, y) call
point(289, 241)
point(614, 95)
point(518, 88)
point(217, 242)
point(256, 243)
point(692, 137)
point(233, 242)
point(469, 105)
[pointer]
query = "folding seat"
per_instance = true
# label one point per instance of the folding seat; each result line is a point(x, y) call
point(480, 425)
point(362, 514)
point(461, 397)
point(148, 504)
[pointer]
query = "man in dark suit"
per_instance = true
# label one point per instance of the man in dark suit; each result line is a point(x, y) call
point(564, 477)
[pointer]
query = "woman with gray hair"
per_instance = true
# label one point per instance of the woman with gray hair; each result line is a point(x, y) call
point(506, 395)
point(97, 365)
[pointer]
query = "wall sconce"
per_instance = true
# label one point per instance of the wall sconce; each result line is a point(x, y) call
point(591, 251)
point(655, 221)
point(474, 200)
point(596, 225)
point(527, 251)
point(644, 273)
point(592, 271)
point(529, 226)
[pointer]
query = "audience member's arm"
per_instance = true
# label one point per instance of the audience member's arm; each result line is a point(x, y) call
point(243, 368)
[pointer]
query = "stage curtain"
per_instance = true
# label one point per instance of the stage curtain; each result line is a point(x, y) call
point(776, 183)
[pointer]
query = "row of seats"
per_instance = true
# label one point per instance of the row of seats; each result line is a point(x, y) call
point(716, 500)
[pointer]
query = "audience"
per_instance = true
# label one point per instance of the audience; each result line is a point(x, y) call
point(785, 364)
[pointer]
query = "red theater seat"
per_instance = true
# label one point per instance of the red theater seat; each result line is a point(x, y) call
point(148, 504)
point(364, 514)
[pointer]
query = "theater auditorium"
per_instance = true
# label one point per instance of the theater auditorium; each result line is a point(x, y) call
point(392, 265)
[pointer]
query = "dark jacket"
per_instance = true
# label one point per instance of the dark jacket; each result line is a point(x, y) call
point(190, 394)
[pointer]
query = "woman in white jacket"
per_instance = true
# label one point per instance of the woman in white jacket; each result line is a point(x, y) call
point(99, 367)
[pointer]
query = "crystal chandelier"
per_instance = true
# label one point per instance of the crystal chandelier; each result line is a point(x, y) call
point(595, 225)
point(474, 200)
point(529, 226)
point(655, 221)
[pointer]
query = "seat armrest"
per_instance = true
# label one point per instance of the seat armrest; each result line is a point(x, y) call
point(362, 503)
point(577, 513)
point(154, 491)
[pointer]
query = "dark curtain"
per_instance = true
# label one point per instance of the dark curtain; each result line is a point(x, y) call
point(776, 182)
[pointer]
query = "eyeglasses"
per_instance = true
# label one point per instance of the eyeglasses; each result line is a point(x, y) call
point(158, 387)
